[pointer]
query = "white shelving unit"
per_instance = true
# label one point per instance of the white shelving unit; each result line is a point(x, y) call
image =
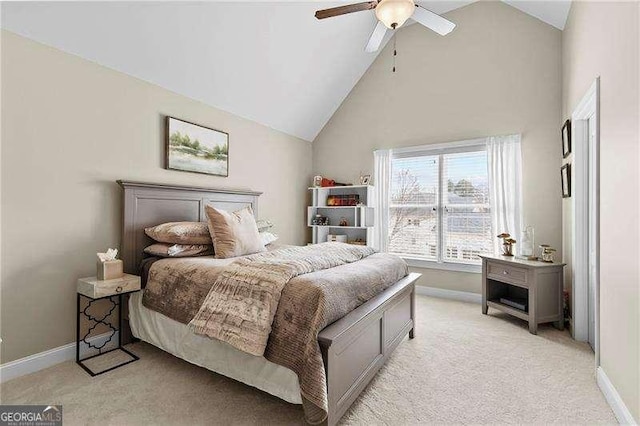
point(359, 218)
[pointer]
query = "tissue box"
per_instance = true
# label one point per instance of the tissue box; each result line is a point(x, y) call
point(110, 270)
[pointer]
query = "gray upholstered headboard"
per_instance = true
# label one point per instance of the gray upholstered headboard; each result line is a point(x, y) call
point(149, 204)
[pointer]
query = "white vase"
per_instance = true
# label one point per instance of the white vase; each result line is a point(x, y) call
point(527, 241)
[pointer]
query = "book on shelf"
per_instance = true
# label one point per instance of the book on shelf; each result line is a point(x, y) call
point(515, 302)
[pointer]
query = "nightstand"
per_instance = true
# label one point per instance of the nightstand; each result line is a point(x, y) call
point(100, 318)
point(529, 290)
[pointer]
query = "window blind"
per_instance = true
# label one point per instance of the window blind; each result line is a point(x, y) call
point(413, 218)
point(439, 204)
point(466, 218)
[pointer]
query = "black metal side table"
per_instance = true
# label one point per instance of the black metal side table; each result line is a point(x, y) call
point(95, 290)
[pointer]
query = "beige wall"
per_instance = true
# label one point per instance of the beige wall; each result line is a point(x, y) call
point(498, 72)
point(70, 128)
point(602, 39)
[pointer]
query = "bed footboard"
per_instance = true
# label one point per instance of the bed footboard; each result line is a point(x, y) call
point(356, 346)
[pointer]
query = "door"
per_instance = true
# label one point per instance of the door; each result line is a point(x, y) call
point(593, 229)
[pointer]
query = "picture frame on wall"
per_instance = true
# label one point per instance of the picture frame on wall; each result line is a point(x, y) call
point(194, 148)
point(566, 139)
point(565, 175)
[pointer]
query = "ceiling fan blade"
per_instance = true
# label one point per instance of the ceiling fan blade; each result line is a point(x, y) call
point(343, 10)
point(432, 21)
point(376, 37)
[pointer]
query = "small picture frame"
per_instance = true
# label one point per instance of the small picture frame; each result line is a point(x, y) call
point(565, 174)
point(365, 179)
point(566, 139)
point(317, 181)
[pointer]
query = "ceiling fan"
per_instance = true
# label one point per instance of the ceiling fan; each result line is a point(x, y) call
point(391, 14)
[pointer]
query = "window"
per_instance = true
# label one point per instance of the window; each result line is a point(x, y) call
point(439, 207)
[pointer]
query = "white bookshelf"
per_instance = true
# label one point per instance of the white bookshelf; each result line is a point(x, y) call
point(359, 218)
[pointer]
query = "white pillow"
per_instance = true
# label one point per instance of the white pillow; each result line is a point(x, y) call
point(268, 237)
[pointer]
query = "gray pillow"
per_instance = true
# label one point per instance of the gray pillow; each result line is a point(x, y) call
point(180, 233)
point(179, 250)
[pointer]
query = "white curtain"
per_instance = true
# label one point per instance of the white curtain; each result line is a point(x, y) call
point(505, 186)
point(382, 181)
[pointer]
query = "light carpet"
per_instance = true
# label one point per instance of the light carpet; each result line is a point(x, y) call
point(462, 367)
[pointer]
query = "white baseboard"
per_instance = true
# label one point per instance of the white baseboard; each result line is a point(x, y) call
point(463, 296)
point(613, 398)
point(46, 359)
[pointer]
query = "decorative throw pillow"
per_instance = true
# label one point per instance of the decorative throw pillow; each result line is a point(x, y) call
point(267, 237)
point(179, 250)
point(233, 234)
point(180, 233)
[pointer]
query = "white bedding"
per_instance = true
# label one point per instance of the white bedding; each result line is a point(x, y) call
point(176, 338)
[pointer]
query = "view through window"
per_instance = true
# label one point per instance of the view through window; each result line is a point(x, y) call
point(439, 207)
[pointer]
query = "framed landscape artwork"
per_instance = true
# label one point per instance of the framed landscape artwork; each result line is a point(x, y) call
point(194, 148)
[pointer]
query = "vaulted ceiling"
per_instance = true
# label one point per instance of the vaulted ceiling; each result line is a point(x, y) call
point(273, 63)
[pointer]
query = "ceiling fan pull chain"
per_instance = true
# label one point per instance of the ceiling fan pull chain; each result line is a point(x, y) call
point(395, 52)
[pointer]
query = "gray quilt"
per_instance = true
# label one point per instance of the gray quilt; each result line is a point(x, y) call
point(307, 303)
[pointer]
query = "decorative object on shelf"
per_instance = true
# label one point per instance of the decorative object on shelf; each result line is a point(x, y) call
point(320, 220)
point(527, 244)
point(542, 248)
point(194, 148)
point(358, 242)
point(507, 244)
point(343, 200)
point(565, 174)
point(546, 254)
point(344, 221)
point(327, 182)
point(336, 238)
point(317, 181)
point(566, 139)
point(330, 182)
point(365, 179)
point(109, 268)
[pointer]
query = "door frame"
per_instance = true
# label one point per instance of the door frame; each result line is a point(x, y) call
point(588, 107)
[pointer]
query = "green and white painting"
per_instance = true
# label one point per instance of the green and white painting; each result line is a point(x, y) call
point(195, 148)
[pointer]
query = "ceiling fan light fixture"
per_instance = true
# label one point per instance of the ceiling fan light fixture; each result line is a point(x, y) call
point(394, 13)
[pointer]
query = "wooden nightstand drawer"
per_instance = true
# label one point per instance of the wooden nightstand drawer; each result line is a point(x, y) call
point(501, 272)
point(94, 288)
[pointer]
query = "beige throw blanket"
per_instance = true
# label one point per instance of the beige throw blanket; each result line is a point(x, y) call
point(242, 303)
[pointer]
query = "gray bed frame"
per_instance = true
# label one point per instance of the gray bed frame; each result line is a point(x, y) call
point(353, 348)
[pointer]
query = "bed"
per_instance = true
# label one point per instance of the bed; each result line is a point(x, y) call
point(353, 348)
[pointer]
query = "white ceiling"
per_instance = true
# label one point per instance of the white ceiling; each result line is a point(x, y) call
point(553, 12)
point(273, 63)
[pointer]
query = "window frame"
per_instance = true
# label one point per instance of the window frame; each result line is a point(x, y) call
point(472, 145)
